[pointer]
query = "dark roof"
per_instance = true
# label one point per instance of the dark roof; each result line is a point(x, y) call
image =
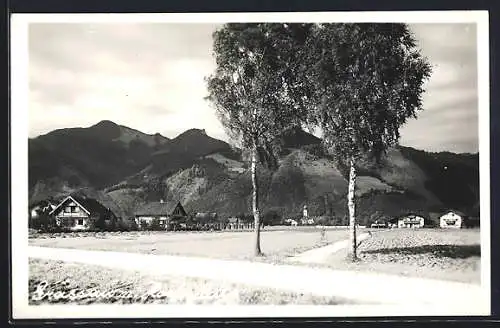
point(90, 204)
point(157, 208)
point(454, 211)
point(407, 215)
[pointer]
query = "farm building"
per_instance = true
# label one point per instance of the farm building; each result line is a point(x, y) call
point(378, 224)
point(235, 223)
point(80, 213)
point(207, 221)
point(453, 219)
point(308, 221)
point(409, 221)
point(232, 223)
point(162, 211)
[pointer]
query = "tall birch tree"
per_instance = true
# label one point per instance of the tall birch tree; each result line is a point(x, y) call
point(368, 81)
point(250, 90)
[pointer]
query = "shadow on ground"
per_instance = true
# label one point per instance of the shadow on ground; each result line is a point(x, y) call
point(450, 251)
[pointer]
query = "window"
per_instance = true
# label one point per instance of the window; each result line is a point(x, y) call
point(74, 209)
point(80, 222)
point(67, 209)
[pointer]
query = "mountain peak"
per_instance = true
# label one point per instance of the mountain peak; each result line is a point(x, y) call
point(105, 124)
point(193, 132)
point(106, 130)
point(297, 137)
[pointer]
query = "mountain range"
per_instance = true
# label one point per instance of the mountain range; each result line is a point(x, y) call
point(124, 168)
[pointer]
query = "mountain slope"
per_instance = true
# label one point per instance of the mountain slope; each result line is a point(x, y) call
point(100, 155)
point(127, 168)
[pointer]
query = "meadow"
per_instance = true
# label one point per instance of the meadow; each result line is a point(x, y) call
point(275, 243)
point(445, 254)
point(452, 255)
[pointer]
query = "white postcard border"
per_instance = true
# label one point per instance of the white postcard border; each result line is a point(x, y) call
point(19, 174)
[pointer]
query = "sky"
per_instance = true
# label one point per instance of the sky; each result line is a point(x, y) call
point(150, 77)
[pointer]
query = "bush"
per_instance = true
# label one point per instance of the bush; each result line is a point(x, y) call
point(325, 220)
point(132, 226)
point(45, 223)
point(121, 225)
point(155, 225)
point(144, 226)
point(100, 223)
point(271, 217)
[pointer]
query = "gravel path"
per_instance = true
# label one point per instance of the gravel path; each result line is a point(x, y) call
point(319, 255)
point(356, 286)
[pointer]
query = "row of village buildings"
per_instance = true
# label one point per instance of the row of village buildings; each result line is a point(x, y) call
point(76, 213)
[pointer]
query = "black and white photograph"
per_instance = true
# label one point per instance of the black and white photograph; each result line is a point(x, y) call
point(250, 165)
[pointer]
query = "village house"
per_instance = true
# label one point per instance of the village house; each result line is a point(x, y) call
point(235, 223)
point(163, 212)
point(409, 221)
point(292, 222)
point(453, 219)
point(80, 213)
point(232, 223)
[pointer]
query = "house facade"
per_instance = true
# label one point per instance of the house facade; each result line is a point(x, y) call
point(80, 213)
point(235, 223)
point(411, 221)
point(453, 219)
point(292, 222)
point(162, 212)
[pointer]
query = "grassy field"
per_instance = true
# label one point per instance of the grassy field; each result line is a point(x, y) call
point(427, 253)
point(223, 245)
point(96, 284)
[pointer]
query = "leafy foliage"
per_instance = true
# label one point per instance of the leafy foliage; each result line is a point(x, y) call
point(248, 88)
point(44, 223)
point(249, 91)
point(368, 80)
point(271, 217)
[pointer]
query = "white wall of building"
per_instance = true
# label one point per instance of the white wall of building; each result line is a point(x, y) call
point(451, 220)
point(414, 222)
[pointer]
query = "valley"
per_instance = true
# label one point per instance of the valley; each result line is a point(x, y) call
point(124, 168)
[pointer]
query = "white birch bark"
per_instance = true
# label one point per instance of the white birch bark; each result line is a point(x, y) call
point(255, 201)
point(352, 249)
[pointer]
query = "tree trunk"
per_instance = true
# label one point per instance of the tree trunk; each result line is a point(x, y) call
point(255, 202)
point(353, 256)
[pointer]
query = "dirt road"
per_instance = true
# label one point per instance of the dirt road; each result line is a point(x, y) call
point(368, 288)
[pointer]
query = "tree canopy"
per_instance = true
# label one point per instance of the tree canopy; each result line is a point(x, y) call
point(368, 80)
point(255, 76)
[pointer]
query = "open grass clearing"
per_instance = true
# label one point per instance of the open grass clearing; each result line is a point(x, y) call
point(443, 254)
point(222, 245)
point(427, 253)
point(97, 284)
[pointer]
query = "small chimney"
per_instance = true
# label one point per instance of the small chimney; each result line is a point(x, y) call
point(161, 201)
